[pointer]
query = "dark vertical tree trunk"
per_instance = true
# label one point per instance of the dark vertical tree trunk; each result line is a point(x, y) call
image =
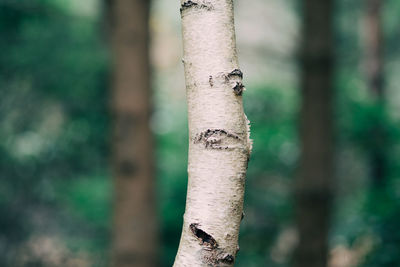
point(313, 188)
point(134, 225)
point(375, 80)
point(373, 33)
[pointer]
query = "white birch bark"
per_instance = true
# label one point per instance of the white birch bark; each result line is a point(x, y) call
point(219, 144)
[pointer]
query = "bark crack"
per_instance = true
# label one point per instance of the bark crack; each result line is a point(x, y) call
point(236, 72)
point(210, 253)
point(191, 5)
point(206, 240)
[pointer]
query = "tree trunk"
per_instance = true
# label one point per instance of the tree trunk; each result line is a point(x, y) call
point(134, 223)
point(219, 144)
point(373, 41)
point(375, 78)
point(313, 188)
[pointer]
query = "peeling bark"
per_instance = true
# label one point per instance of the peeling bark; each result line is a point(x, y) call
point(219, 146)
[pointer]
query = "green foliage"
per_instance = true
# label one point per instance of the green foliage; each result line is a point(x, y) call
point(273, 115)
point(54, 77)
point(172, 147)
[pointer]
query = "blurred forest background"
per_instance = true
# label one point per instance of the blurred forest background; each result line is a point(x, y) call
point(56, 189)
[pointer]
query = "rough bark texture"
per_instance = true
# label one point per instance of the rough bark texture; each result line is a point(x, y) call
point(219, 144)
point(314, 182)
point(375, 78)
point(134, 225)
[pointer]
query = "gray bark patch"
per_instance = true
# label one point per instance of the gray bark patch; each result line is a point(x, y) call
point(217, 139)
point(217, 257)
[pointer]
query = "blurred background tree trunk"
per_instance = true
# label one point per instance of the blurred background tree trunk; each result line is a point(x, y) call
point(134, 225)
point(314, 183)
point(375, 81)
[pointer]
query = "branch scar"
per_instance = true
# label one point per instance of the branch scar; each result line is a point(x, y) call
point(217, 139)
